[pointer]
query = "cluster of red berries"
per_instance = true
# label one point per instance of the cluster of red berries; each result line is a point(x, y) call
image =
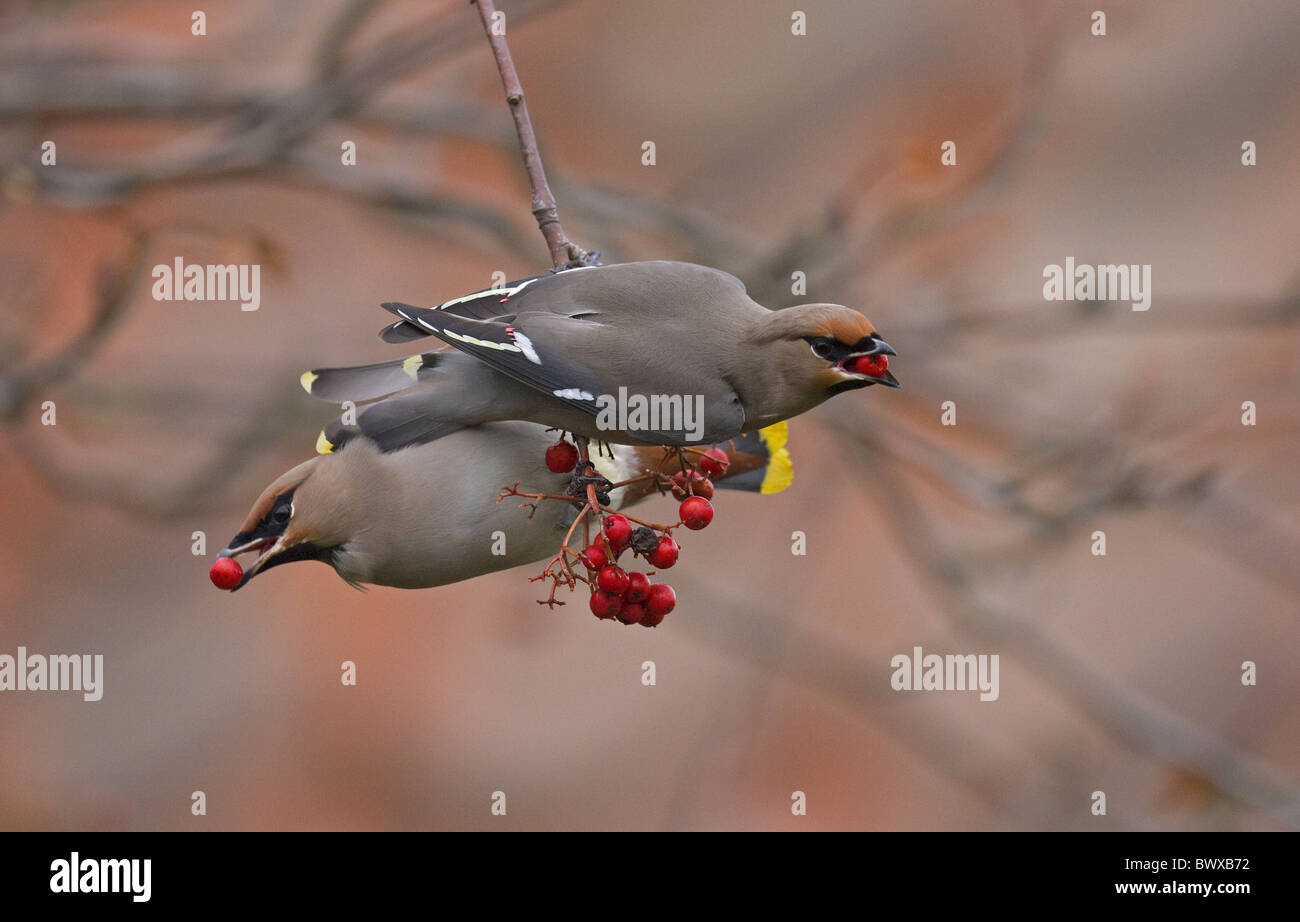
point(631, 597)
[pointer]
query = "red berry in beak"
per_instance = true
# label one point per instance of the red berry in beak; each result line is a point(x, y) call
point(612, 579)
point(873, 365)
point(618, 531)
point(638, 588)
point(664, 556)
point(226, 573)
point(605, 604)
point(714, 462)
point(561, 457)
point(696, 512)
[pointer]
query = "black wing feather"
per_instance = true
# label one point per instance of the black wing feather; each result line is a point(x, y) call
point(478, 305)
point(497, 344)
point(500, 346)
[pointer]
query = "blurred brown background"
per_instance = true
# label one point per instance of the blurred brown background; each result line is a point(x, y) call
point(776, 153)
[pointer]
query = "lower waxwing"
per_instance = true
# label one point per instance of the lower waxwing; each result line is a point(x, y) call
point(427, 514)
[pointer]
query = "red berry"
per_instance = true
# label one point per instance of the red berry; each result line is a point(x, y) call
point(714, 462)
point(612, 579)
point(699, 485)
point(618, 531)
point(874, 365)
point(605, 604)
point(631, 612)
point(226, 573)
point(662, 600)
point(696, 512)
point(650, 619)
point(594, 557)
point(561, 457)
point(665, 555)
point(638, 587)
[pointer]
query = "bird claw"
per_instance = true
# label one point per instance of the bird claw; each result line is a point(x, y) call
point(579, 258)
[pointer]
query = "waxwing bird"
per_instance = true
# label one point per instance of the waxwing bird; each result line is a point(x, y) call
point(427, 514)
point(569, 349)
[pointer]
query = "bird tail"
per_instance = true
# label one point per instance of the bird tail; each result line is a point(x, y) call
point(398, 421)
point(760, 461)
point(392, 423)
point(360, 383)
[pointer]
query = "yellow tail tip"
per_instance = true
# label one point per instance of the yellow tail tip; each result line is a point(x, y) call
point(780, 469)
point(323, 445)
point(307, 377)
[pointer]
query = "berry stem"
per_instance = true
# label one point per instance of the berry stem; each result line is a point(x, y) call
point(663, 528)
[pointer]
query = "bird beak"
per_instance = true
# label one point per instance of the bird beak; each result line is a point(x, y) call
point(877, 347)
point(267, 548)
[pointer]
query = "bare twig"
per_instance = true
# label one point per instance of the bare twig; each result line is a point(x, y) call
point(164, 496)
point(564, 253)
point(280, 127)
point(116, 285)
point(329, 55)
point(404, 201)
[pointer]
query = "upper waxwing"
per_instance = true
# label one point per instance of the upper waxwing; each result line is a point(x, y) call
point(427, 514)
point(560, 349)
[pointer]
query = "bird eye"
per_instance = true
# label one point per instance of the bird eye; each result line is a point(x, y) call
point(822, 348)
point(281, 514)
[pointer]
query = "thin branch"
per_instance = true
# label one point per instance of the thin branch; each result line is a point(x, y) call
point(116, 285)
point(346, 23)
point(296, 116)
point(564, 253)
point(170, 493)
point(318, 173)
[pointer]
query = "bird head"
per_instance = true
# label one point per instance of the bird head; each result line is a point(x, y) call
point(300, 516)
point(840, 339)
point(832, 346)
